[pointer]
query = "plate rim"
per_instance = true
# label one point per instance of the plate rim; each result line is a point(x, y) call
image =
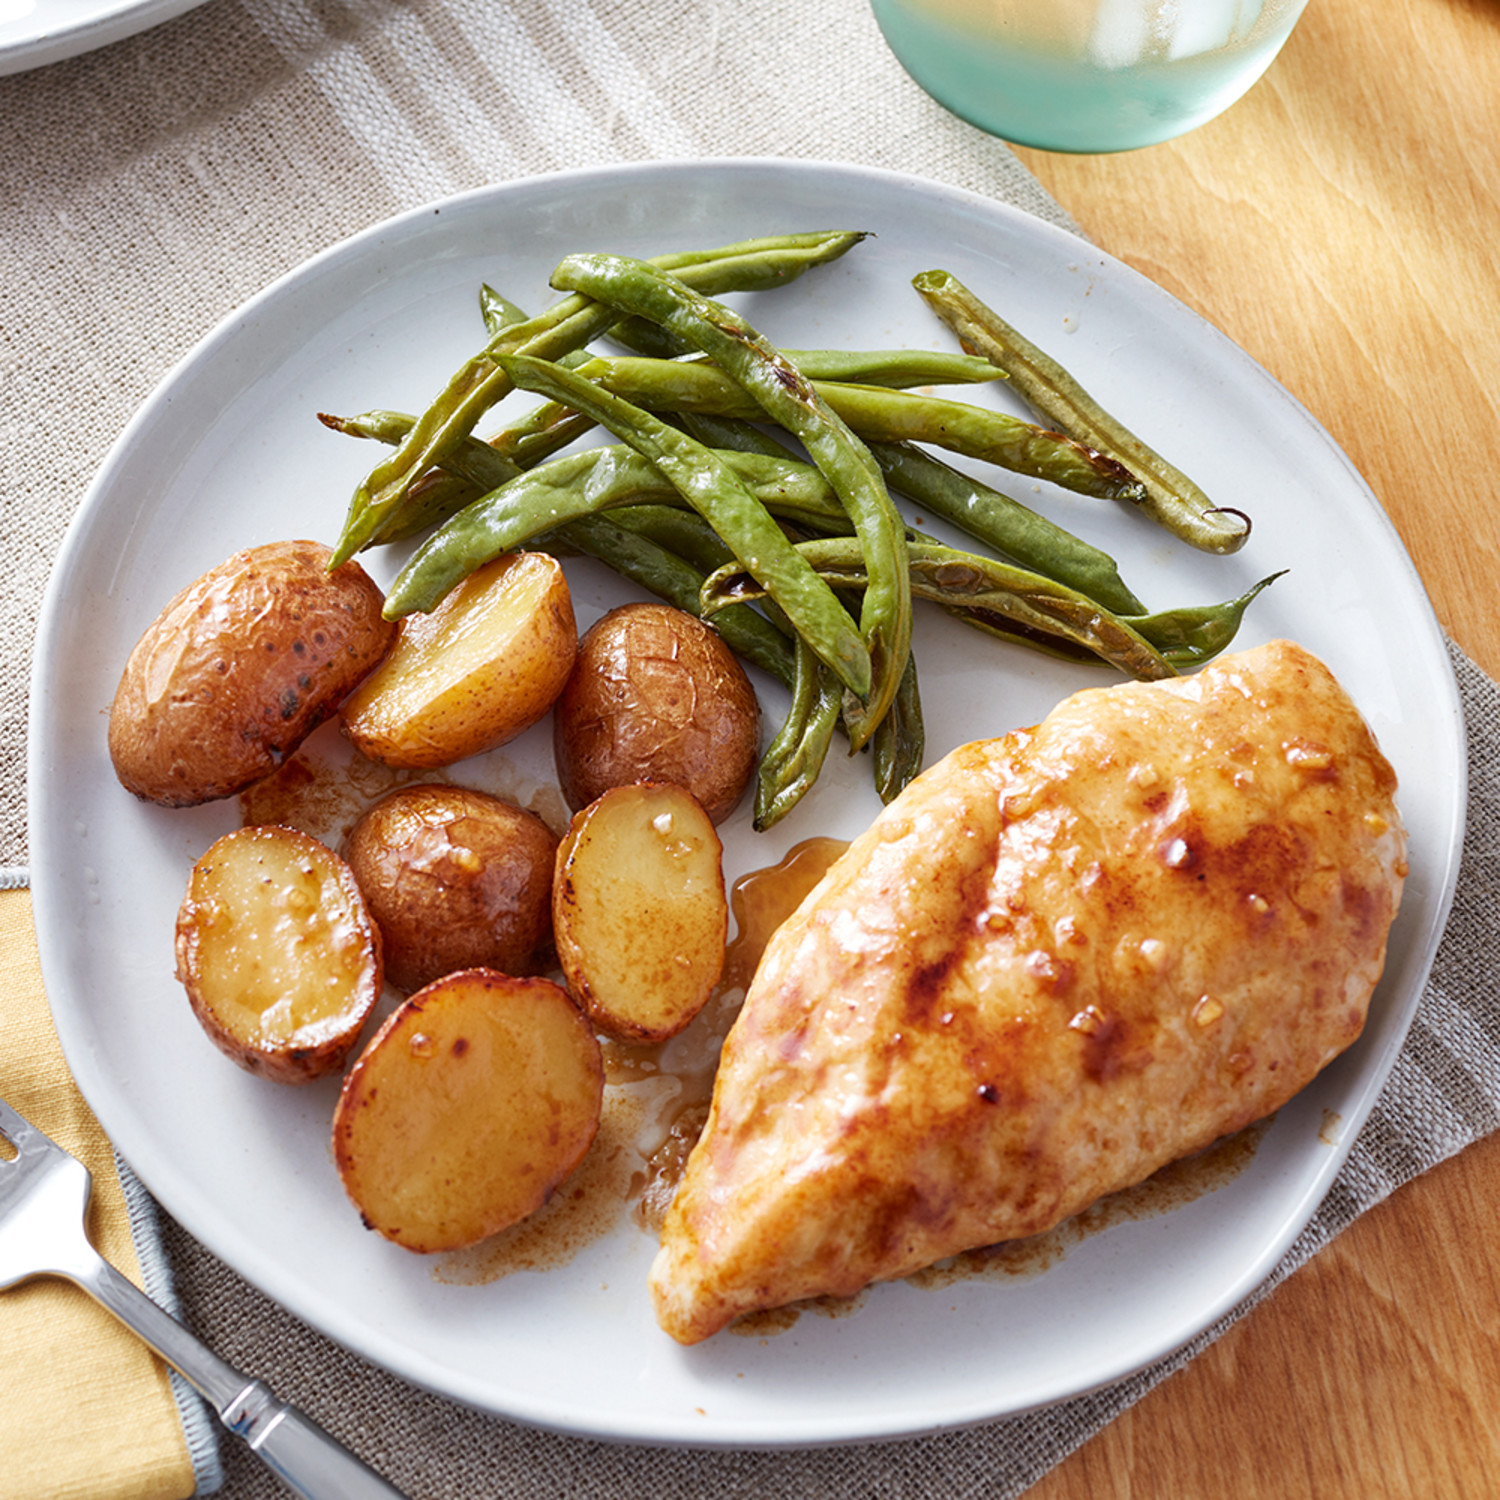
point(125, 18)
point(745, 1433)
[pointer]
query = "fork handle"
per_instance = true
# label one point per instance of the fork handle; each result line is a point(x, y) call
point(289, 1442)
point(295, 1448)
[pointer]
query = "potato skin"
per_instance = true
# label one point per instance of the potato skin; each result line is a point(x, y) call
point(239, 668)
point(656, 695)
point(456, 879)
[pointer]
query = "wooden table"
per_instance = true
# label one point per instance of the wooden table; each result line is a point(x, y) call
point(1341, 224)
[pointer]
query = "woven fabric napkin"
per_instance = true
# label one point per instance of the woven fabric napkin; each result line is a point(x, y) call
point(89, 1412)
point(154, 185)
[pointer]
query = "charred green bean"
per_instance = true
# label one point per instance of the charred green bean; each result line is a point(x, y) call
point(900, 739)
point(709, 483)
point(780, 390)
point(794, 758)
point(1193, 634)
point(881, 414)
point(580, 484)
point(1168, 495)
point(1012, 529)
point(568, 325)
point(982, 590)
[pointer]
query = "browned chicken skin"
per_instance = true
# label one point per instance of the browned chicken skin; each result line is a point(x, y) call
point(1056, 962)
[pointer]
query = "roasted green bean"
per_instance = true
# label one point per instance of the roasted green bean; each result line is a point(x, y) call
point(785, 396)
point(1193, 634)
point(709, 483)
point(568, 325)
point(881, 414)
point(660, 571)
point(1012, 529)
point(982, 590)
point(794, 758)
point(1168, 495)
point(580, 484)
point(900, 739)
point(893, 369)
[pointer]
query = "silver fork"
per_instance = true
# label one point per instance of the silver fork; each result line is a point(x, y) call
point(44, 1195)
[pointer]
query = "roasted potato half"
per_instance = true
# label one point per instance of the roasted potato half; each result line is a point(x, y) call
point(278, 953)
point(655, 695)
point(455, 879)
point(474, 1100)
point(239, 668)
point(639, 911)
point(481, 668)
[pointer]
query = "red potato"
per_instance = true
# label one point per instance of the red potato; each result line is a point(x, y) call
point(639, 910)
point(278, 953)
point(473, 1102)
point(483, 667)
point(456, 879)
point(656, 695)
point(239, 668)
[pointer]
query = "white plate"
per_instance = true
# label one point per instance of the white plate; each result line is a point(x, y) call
point(227, 453)
point(36, 32)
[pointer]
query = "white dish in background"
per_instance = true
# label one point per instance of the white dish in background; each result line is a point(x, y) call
point(34, 33)
point(228, 453)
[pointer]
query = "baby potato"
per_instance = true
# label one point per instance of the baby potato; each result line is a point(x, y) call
point(278, 953)
point(481, 668)
point(639, 910)
point(473, 1102)
point(455, 879)
point(656, 696)
point(239, 668)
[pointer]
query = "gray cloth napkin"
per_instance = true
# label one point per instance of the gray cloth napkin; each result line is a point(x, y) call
point(153, 186)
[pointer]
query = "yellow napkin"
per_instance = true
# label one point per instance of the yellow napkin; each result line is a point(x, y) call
point(87, 1410)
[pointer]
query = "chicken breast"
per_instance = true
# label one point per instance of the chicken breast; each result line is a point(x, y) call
point(1056, 962)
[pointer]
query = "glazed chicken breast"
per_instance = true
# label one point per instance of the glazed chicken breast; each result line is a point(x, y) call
point(1058, 961)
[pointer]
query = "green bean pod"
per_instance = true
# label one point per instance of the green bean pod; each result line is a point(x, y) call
point(788, 398)
point(900, 742)
point(892, 369)
point(880, 414)
point(731, 433)
point(638, 557)
point(580, 484)
point(1168, 495)
point(569, 325)
point(794, 759)
point(498, 311)
point(1193, 634)
point(982, 591)
point(1017, 532)
point(710, 484)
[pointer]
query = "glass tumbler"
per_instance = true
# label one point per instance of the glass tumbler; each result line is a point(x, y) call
point(1086, 75)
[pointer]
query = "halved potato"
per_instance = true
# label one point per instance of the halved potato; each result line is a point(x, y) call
point(456, 879)
point(484, 666)
point(239, 668)
point(656, 695)
point(278, 953)
point(474, 1100)
point(639, 911)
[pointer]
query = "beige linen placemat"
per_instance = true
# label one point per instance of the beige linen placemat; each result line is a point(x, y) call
point(151, 187)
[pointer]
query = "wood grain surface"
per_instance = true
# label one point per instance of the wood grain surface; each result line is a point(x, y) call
point(1342, 224)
